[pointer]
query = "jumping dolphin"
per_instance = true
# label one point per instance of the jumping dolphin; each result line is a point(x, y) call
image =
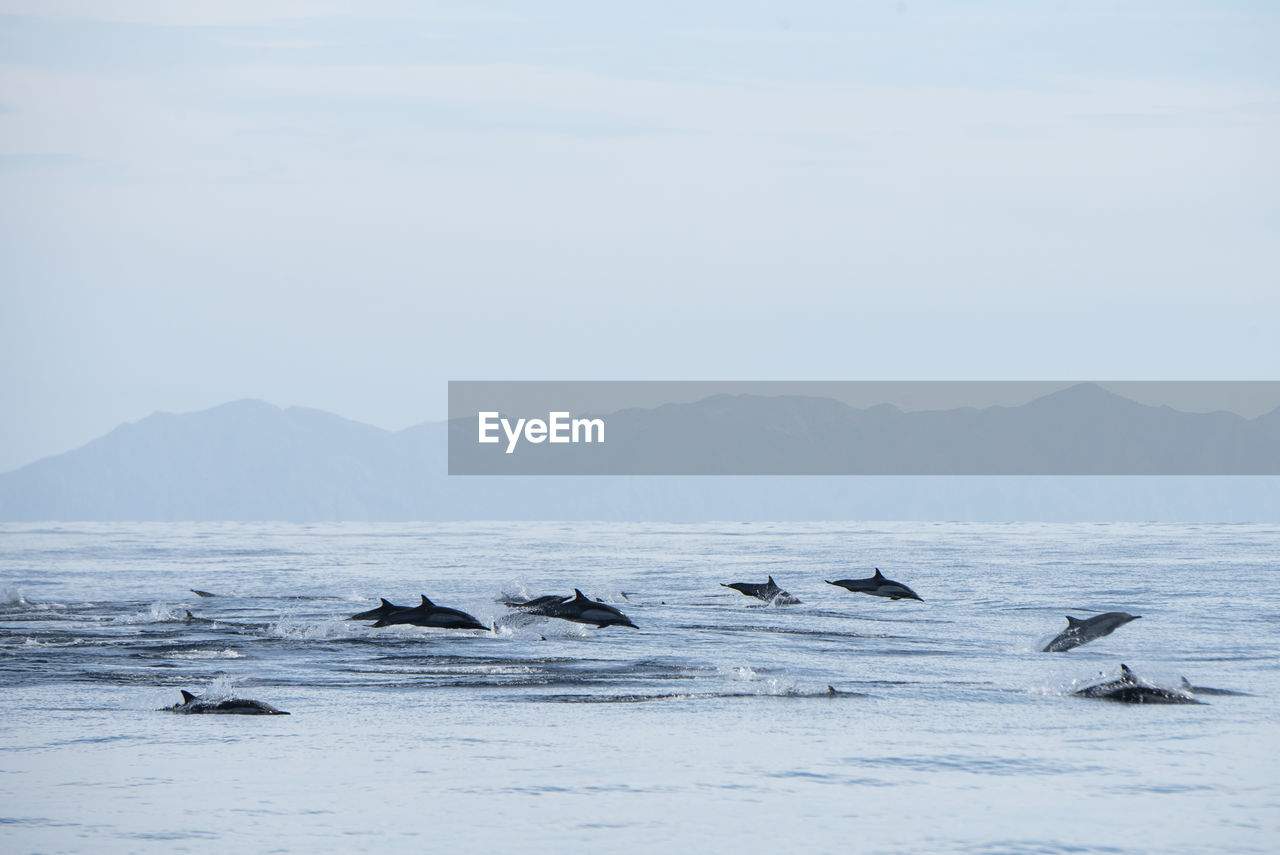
point(878, 586)
point(1080, 632)
point(381, 611)
point(767, 591)
point(1129, 688)
point(428, 613)
point(192, 705)
point(583, 609)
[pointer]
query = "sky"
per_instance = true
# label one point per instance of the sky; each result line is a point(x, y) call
point(345, 205)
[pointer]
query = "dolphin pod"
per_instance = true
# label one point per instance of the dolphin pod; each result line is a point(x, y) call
point(1126, 688)
point(767, 591)
point(193, 705)
point(579, 608)
point(426, 613)
point(1080, 632)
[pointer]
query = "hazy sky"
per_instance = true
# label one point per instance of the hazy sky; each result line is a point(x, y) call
point(344, 205)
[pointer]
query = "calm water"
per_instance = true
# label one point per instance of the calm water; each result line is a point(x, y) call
point(708, 729)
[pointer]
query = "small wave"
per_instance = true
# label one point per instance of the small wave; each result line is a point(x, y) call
point(225, 653)
point(155, 613)
point(13, 597)
point(35, 642)
point(591, 698)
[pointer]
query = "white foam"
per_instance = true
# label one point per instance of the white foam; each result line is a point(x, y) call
point(225, 653)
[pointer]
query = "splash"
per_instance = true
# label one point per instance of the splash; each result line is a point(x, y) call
point(304, 630)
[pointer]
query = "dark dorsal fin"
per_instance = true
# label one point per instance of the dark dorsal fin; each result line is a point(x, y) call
point(426, 603)
point(878, 575)
point(187, 697)
point(1072, 623)
point(386, 604)
point(1186, 684)
point(190, 616)
point(578, 595)
point(773, 583)
point(1126, 673)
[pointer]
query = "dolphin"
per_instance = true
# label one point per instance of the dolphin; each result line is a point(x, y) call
point(1206, 690)
point(190, 618)
point(428, 613)
point(200, 593)
point(767, 591)
point(1129, 688)
point(878, 586)
point(583, 609)
point(1080, 632)
point(192, 705)
point(381, 611)
point(547, 606)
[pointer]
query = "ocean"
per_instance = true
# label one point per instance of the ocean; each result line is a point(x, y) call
point(711, 727)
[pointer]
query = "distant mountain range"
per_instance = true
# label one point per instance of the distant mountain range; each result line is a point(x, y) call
point(1081, 430)
point(249, 460)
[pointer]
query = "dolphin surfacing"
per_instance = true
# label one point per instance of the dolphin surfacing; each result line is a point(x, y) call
point(583, 609)
point(1209, 690)
point(193, 705)
point(387, 608)
point(767, 591)
point(428, 613)
point(579, 609)
point(547, 606)
point(1080, 632)
point(1129, 688)
point(878, 586)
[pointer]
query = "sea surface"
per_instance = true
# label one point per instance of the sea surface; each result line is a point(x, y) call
point(710, 728)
